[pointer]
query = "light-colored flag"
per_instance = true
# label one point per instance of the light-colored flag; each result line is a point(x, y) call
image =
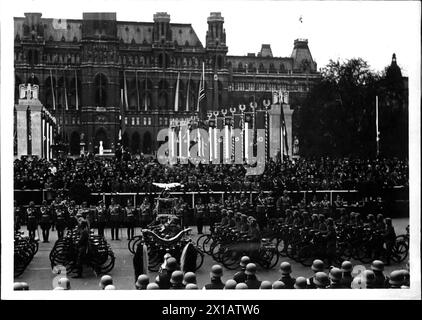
point(76, 87)
point(176, 96)
point(201, 92)
point(187, 95)
point(52, 90)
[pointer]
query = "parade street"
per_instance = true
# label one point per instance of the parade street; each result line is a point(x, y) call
point(40, 276)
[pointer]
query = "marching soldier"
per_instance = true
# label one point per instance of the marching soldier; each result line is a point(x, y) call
point(115, 219)
point(101, 217)
point(130, 212)
point(60, 221)
point(31, 219)
point(45, 221)
point(200, 209)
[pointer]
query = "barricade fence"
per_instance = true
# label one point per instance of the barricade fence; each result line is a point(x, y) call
point(23, 197)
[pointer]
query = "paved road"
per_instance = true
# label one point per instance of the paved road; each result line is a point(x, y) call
point(39, 275)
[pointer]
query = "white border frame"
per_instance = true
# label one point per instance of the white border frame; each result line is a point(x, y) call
point(6, 94)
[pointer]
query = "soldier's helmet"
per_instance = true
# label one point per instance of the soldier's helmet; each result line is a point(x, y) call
point(300, 283)
point(266, 285)
point(244, 261)
point(216, 271)
point(189, 277)
point(177, 277)
point(377, 265)
point(230, 284)
point(335, 274)
point(369, 277)
point(317, 265)
point(396, 278)
point(25, 286)
point(171, 264)
point(250, 269)
point(17, 286)
point(142, 281)
point(346, 266)
point(278, 285)
point(321, 280)
point(241, 285)
point(152, 286)
point(285, 268)
point(64, 283)
point(110, 287)
point(191, 286)
point(105, 281)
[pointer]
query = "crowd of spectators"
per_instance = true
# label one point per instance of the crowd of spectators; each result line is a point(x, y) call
point(136, 174)
point(345, 277)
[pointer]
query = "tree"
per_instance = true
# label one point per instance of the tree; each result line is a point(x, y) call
point(338, 116)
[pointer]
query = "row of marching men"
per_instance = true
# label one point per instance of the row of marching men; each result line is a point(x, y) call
point(61, 215)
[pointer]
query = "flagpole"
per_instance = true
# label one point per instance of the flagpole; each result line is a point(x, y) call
point(125, 88)
point(376, 126)
point(187, 94)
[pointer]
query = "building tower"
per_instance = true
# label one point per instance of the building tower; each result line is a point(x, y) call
point(216, 51)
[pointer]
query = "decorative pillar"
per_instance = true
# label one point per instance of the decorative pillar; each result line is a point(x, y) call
point(21, 130)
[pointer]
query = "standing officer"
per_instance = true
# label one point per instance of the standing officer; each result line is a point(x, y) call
point(389, 238)
point(17, 216)
point(60, 221)
point(72, 220)
point(101, 217)
point(199, 215)
point(284, 202)
point(31, 218)
point(130, 212)
point(83, 243)
point(115, 219)
point(45, 221)
point(145, 212)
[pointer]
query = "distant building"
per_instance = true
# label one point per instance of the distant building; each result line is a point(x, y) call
point(97, 74)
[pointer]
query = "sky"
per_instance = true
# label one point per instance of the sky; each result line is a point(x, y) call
point(372, 30)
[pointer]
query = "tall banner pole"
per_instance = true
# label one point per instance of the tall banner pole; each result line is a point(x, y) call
point(376, 125)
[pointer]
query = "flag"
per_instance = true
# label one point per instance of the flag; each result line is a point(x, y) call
point(146, 95)
point(52, 90)
point(187, 95)
point(65, 90)
point(176, 97)
point(201, 92)
point(125, 88)
point(76, 87)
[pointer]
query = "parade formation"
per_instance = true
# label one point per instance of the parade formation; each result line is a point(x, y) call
point(260, 165)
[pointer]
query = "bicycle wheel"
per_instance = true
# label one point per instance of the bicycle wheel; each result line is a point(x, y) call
point(306, 255)
point(208, 245)
point(200, 241)
point(400, 251)
point(269, 257)
point(230, 259)
point(199, 259)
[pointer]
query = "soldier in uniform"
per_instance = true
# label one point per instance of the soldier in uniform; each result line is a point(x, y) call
point(45, 221)
point(260, 210)
point(72, 220)
point(317, 266)
point(60, 221)
point(381, 281)
point(213, 210)
point(270, 207)
point(286, 270)
point(326, 206)
point(17, 216)
point(83, 245)
point(284, 202)
point(145, 212)
point(32, 219)
point(130, 216)
point(331, 238)
point(241, 275)
point(200, 209)
point(115, 219)
point(215, 275)
point(389, 238)
point(251, 280)
point(101, 217)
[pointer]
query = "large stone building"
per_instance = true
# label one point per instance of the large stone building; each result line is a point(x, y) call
point(97, 74)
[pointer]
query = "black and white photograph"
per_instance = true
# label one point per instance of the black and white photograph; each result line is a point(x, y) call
point(211, 146)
